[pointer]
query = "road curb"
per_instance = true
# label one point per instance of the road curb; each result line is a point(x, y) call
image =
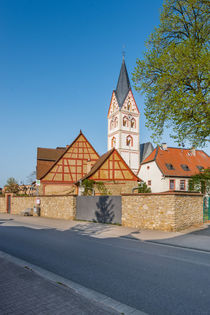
point(85, 292)
point(206, 251)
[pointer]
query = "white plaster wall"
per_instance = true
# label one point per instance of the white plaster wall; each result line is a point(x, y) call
point(134, 162)
point(125, 156)
point(110, 141)
point(158, 183)
point(135, 142)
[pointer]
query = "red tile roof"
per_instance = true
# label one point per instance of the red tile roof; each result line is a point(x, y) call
point(177, 157)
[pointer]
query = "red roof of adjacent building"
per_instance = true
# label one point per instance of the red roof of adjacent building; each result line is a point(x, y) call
point(179, 162)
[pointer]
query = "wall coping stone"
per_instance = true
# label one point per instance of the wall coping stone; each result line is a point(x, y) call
point(44, 196)
point(166, 193)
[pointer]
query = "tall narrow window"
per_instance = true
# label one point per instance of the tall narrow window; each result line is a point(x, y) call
point(129, 141)
point(125, 121)
point(113, 142)
point(133, 123)
point(182, 184)
point(172, 184)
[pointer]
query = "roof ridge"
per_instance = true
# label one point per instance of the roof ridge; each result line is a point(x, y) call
point(67, 148)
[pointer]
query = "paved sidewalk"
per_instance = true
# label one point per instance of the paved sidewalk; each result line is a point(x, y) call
point(24, 292)
point(195, 238)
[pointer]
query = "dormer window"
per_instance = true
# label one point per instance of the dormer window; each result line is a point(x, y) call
point(200, 168)
point(170, 166)
point(185, 167)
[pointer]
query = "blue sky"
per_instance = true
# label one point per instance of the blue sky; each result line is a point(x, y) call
point(59, 62)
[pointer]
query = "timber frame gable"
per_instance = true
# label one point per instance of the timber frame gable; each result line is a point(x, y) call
point(111, 167)
point(72, 164)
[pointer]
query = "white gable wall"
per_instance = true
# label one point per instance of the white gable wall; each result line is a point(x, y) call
point(150, 171)
point(159, 183)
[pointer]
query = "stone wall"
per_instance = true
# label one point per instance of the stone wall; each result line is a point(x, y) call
point(163, 211)
point(189, 211)
point(171, 211)
point(18, 204)
point(60, 207)
point(2, 204)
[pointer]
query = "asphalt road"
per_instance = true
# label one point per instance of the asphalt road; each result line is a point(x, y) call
point(153, 278)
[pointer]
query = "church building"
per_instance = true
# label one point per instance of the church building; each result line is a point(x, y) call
point(123, 122)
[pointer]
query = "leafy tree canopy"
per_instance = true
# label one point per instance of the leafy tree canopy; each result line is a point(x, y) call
point(90, 185)
point(174, 73)
point(200, 182)
point(12, 185)
point(143, 188)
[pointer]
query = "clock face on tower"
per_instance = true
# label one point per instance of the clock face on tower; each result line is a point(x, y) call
point(129, 117)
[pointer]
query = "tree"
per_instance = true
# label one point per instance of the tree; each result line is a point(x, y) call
point(31, 178)
point(143, 188)
point(200, 182)
point(89, 185)
point(174, 73)
point(12, 186)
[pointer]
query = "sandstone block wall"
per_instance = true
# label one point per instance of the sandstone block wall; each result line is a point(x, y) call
point(164, 211)
point(60, 207)
point(18, 204)
point(2, 204)
point(189, 211)
point(148, 211)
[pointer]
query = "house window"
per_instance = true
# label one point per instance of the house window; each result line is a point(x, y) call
point(149, 183)
point(129, 141)
point(200, 168)
point(172, 184)
point(182, 184)
point(113, 142)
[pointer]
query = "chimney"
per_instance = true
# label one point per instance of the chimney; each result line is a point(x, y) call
point(164, 146)
point(89, 166)
point(193, 152)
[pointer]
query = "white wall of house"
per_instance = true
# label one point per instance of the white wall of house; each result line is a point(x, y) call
point(150, 172)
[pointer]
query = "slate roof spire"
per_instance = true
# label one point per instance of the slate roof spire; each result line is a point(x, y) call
point(123, 85)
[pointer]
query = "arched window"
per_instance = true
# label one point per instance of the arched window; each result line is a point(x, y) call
point(129, 141)
point(129, 105)
point(125, 121)
point(113, 142)
point(133, 123)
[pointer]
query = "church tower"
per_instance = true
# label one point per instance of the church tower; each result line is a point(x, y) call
point(123, 121)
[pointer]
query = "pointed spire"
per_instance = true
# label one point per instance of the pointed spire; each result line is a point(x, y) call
point(123, 84)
